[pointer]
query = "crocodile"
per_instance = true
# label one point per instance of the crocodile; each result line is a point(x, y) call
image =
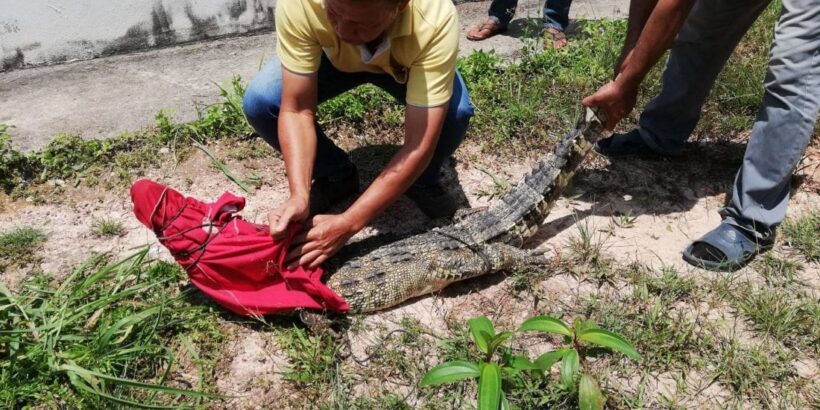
point(483, 242)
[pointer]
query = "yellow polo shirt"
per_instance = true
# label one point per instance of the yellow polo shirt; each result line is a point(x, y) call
point(422, 46)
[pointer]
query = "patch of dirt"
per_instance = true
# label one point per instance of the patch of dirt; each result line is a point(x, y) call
point(252, 366)
point(639, 211)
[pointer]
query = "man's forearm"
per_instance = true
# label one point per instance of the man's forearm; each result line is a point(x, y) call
point(652, 29)
point(423, 127)
point(297, 138)
point(394, 180)
point(639, 11)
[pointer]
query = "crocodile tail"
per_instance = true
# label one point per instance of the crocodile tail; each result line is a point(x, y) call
point(540, 188)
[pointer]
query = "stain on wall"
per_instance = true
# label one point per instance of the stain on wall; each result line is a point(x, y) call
point(162, 26)
point(84, 29)
point(16, 60)
point(202, 28)
point(9, 26)
point(135, 38)
point(237, 9)
point(263, 14)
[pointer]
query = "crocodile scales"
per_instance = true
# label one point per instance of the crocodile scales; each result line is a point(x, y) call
point(484, 242)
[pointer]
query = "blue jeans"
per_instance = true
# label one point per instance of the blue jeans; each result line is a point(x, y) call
point(556, 12)
point(785, 121)
point(264, 95)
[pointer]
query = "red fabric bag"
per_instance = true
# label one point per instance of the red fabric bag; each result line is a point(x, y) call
point(233, 261)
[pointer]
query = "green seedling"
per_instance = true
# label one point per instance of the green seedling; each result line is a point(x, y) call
point(578, 339)
point(498, 365)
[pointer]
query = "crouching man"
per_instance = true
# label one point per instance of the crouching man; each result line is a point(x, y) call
point(326, 47)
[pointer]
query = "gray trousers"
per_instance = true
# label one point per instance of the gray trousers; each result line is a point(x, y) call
point(785, 121)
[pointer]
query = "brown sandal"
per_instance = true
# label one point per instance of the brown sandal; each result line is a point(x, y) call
point(485, 30)
point(558, 38)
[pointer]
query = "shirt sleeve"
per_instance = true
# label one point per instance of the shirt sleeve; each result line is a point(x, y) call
point(298, 49)
point(430, 80)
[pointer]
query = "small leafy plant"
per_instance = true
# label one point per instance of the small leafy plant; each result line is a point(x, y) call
point(488, 372)
point(492, 374)
point(579, 339)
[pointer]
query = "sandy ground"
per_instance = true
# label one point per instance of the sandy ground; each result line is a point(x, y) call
point(669, 204)
point(644, 211)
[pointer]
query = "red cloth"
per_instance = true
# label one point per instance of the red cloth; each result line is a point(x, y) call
point(231, 260)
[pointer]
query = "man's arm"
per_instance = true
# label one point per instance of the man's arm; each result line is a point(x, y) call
point(617, 98)
point(423, 126)
point(297, 137)
point(639, 12)
point(326, 234)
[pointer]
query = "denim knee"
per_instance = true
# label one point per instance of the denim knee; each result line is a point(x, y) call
point(464, 112)
point(259, 106)
point(262, 112)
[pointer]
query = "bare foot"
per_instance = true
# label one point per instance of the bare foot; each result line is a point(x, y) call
point(485, 30)
point(557, 37)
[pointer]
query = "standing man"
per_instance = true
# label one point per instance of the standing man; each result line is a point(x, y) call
point(709, 31)
point(326, 47)
point(555, 14)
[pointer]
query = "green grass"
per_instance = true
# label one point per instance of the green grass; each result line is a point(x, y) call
point(663, 317)
point(787, 316)
point(586, 251)
point(752, 373)
point(777, 271)
point(533, 101)
point(804, 235)
point(100, 337)
point(521, 105)
point(70, 343)
point(313, 360)
point(668, 340)
point(107, 227)
point(18, 246)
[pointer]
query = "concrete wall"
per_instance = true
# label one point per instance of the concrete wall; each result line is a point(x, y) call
point(42, 32)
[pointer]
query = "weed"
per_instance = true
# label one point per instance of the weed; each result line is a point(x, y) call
point(388, 401)
point(218, 164)
point(777, 271)
point(669, 286)
point(790, 318)
point(20, 241)
point(256, 148)
point(624, 219)
point(17, 247)
point(668, 338)
point(587, 251)
point(499, 370)
point(353, 107)
point(95, 338)
point(500, 184)
point(750, 371)
point(804, 235)
point(107, 227)
point(312, 359)
point(15, 167)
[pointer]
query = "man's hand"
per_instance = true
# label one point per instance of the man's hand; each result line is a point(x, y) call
point(322, 237)
point(295, 209)
point(615, 99)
